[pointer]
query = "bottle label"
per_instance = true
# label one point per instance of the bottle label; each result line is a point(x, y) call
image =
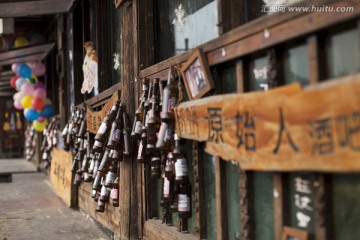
point(104, 191)
point(171, 104)
point(183, 203)
point(181, 168)
point(166, 190)
point(113, 109)
point(117, 135)
point(98, 144)
point(138, 127)
point(110, 178)
point(140, 149)
point(102, 128)
point(114, 193)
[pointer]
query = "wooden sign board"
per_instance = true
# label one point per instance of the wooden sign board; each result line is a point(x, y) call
point(285, 129)
point(61, 176)
point(94, 118)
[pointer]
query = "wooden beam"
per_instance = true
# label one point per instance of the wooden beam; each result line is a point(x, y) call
point(219, 199)
point(250, 37)
point(34, 8)
point(314, 75)
point(240, 76)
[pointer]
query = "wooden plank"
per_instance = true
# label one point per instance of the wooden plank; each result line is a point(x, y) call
point(315, 128)
point(61, 175)
point(240, 76)
point(109, 219)
point(250, 37)
point(153, 229)
point(219, 203)
point(302, 25)
point(322, 208)
point(34, 8)
point(314, 75)
point(103, 95)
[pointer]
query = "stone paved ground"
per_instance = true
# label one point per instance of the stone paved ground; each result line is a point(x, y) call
point(29, 209)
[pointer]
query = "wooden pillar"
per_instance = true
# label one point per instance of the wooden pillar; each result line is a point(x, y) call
point(129, 198)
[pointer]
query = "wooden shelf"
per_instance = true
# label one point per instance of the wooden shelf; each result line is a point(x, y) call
point(24, 54)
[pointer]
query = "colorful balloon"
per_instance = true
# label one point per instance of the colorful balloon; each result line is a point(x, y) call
point(13, 81)
point(39, 85)
point(38, 69)
point(20, 41)
point(27, 89)
point(33, 79)
point(26, 101)
point(18, 105)
point(18, 96)
point(40, 93)
point(37, 103)
point(39, 126)
point(31, 114)
point(14, 67)
point(19, 82)
point(47, 111)
point(24, 71)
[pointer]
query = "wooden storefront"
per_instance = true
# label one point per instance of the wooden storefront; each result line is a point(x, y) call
point(271, 149)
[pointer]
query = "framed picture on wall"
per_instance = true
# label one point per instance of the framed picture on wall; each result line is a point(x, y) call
point(197, 76)
point(294, 234)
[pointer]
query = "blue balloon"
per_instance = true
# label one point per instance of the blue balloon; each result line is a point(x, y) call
point(31, 114)
point(24, 71)
point(47, 111)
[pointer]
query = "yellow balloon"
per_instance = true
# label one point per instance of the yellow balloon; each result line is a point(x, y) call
point(39, 126)
point(33, 76)
point(26, 101)
point(20, 41)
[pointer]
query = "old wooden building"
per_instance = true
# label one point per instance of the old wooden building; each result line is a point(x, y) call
point(268, 98)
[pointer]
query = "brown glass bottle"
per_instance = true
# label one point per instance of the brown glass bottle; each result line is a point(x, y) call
point(111, 175)
point(154, 118)
point(184, 201)
point(169, 167)
point(116, 129)
point(82, 120)
point(104, 129)
point(170, 97)
point(181, 162)
point(140, 110)
point(104, 193)
point(115, 193)
point(126, 133)
point(142, 153)
point(160, 143)
point(155, 165)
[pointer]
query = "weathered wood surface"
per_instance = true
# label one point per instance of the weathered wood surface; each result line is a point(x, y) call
point(285, 129)
point(249, 38)
point(61, 175)
point(153, 229)
point(109, 219)
point(94, 118)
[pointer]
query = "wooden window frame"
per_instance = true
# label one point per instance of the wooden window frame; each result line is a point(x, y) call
point(234, 45)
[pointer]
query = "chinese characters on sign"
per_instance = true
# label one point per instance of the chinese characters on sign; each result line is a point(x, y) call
point(303, 201)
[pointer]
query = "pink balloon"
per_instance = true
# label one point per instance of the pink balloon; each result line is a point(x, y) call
point(41, 119)
point(18, 105)
point(39, 93)
point(27, 89)
point(37, 103)
point(14, 67)
point(38, 69)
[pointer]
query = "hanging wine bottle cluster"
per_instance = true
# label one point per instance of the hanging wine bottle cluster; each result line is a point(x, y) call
point(159, 145)
point(96, 158)
point(30, 142)
point(50, 140)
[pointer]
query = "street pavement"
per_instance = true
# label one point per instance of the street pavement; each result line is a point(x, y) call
point(29, 209)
